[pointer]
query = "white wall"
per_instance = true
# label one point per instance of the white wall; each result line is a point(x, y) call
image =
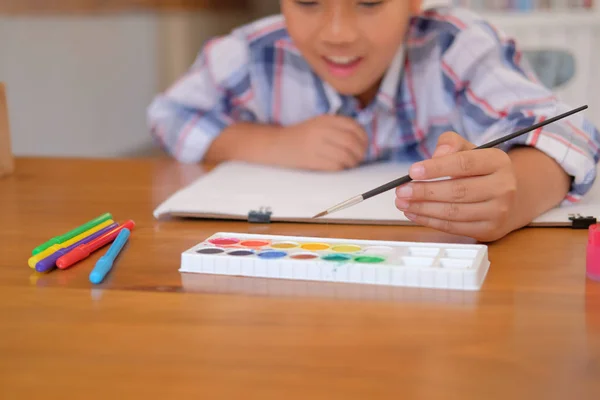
point(79, 86)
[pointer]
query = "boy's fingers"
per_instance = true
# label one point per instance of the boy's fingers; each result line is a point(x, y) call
point(347, 138)
point(349, 125)
point(348, 143)
point(337, 157)
point(451, 142)
point(465, 190)
point(461, 164)
point(459, 212)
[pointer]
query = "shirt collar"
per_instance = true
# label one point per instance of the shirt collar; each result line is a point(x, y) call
point(387, 96)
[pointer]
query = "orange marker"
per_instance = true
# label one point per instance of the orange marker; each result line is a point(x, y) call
point(81, 252)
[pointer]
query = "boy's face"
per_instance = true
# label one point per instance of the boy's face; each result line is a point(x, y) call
point(349, 43)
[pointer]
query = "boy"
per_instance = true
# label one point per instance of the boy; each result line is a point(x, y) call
point(332, 84)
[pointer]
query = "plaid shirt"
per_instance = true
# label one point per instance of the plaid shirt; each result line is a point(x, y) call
point(455, 72)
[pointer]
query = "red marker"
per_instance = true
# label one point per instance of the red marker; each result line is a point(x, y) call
point(593, 253)
point(84, 250)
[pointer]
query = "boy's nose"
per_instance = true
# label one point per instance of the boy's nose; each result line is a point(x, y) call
point(339, 27)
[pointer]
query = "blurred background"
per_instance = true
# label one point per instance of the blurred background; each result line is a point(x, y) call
point(80, 73)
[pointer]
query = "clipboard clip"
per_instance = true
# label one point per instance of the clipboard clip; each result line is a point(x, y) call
point(579, 221)
point(262, 216)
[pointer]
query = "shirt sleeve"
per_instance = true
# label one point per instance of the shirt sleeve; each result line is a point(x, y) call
point(188, 116)
point(497, 94)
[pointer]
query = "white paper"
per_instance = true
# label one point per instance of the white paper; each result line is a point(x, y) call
point(233, 189)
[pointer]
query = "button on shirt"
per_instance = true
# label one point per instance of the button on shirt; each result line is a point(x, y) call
point(454, 72)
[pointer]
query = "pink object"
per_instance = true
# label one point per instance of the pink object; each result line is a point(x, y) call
point(593, 253)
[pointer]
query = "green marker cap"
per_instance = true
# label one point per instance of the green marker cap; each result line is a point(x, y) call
point(71, 234)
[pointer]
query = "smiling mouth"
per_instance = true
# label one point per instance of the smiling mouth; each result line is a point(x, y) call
point(342, 60)
point(342, 66)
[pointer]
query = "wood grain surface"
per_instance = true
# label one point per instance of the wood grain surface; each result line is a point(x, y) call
point(7, 164)
point(533, 331)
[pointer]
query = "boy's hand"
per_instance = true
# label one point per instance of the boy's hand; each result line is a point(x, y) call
point(477, 202)
point(327, 143)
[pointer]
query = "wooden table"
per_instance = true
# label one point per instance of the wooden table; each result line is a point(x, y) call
point(533, 331)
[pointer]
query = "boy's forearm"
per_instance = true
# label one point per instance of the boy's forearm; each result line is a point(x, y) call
point(541, 184)
point(244, 142)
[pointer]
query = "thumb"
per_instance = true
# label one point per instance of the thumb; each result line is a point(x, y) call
point(451, 142)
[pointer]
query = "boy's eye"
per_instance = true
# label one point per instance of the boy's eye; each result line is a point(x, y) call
point(370, 4)
point(306, 3)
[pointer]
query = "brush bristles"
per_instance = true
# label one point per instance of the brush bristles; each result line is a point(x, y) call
point(321, 214)
point(348, 203)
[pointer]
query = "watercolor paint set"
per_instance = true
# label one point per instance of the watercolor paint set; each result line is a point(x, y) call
point(392, 263)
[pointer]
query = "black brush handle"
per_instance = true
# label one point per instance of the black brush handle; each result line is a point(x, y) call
point(529, 129)
point(405, 179)
point(388, 186)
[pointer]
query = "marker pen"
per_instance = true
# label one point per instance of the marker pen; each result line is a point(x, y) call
point(593, 253)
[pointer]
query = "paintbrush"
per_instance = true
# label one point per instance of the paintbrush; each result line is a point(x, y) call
point(405, 179)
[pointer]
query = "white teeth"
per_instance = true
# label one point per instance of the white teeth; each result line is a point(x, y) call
point(342, 60)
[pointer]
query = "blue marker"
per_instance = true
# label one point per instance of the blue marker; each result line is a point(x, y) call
point(105, 263)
